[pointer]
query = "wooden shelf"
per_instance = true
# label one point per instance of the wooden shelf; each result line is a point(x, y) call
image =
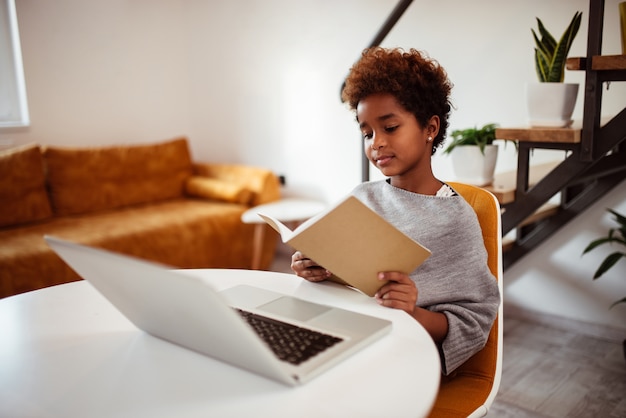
point(598, 63)
point(561, 135)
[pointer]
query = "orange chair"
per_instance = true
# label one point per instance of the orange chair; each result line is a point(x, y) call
point(474, 385)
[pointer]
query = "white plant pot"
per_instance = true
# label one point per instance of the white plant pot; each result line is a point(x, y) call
point(471, 166)
point(551, 105)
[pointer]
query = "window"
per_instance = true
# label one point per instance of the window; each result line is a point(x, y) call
point(13, 107)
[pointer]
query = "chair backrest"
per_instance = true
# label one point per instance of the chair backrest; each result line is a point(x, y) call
point(474, 385)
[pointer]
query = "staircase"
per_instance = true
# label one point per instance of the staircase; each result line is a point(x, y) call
point(595, 161)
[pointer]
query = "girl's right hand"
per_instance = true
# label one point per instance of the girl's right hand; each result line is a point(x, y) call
point(308, 269)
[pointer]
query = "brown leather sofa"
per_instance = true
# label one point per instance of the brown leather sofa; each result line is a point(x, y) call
point(150, 201)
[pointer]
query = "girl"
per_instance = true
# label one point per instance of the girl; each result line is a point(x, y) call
point(402, 103)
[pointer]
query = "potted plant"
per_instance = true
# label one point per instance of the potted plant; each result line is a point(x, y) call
point(614, 236)
point(551, 101)
point(473, 154)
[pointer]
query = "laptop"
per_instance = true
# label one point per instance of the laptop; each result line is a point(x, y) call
point(228, 325)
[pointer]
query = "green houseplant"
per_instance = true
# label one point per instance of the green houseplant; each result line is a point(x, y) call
point(551, 102)
point(473, 136)
point(550, 55)
point(614, 236)
point(473, 154)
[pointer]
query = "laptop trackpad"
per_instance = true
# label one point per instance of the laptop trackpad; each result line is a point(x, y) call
point(297, 309)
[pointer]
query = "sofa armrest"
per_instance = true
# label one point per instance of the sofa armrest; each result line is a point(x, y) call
point(263, 183)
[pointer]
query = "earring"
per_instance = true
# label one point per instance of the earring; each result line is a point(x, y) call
point(430, 138)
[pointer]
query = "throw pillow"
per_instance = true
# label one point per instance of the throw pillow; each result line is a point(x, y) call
point(215, 189)
point(92, 179)
point(23, 195)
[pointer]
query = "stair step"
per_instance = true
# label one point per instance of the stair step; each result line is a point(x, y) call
point(545, 211)
point(507, 243)
point(505, 184)
point(560, 135)
point(598, 63)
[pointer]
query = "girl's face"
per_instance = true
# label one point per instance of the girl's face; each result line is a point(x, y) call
point(395, 142)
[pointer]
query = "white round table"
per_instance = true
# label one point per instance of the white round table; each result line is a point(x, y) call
point(65, 351)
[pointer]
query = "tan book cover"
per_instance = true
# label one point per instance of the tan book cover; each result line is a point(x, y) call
point(354, 243)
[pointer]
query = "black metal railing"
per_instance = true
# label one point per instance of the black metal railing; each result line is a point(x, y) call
point(384, 30)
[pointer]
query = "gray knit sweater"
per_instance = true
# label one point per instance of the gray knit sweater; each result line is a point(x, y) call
point(455, 279)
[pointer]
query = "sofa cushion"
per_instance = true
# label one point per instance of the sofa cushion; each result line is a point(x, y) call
point(23, 195)
point(85, 180)
point(216, 189)
point(262, 183)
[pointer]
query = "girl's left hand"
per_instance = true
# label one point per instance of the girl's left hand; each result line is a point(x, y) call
point(399, 293)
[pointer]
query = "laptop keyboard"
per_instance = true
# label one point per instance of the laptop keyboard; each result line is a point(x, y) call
point(289, 342)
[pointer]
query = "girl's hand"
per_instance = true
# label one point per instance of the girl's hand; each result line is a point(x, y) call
point(399, 293)
point(307, 268)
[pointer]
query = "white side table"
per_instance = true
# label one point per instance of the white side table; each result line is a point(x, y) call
point(289, 210)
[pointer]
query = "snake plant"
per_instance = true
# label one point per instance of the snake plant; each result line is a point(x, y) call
point(550, 56)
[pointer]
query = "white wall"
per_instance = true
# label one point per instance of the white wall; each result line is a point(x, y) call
point(258, 81)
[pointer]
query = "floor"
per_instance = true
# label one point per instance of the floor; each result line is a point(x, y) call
point(553, 367)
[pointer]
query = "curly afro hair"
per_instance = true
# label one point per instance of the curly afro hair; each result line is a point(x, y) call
point(417, 82)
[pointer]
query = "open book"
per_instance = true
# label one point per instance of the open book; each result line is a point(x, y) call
point(354, 243)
